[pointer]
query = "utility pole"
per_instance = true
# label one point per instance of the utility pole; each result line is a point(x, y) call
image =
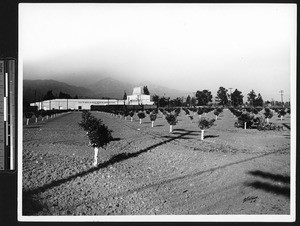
point(281, 93)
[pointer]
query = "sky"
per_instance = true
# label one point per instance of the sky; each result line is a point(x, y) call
point(188, 47)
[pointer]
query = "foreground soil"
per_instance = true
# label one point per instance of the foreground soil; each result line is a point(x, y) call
point(151, 171)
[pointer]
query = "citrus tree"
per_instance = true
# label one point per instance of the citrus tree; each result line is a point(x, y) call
point(28, 116)
point(200, 112)
point(153, 117)
point(99, 135)
point(43, 114)
point(37, 115)
point(268, 114)
point(172, 120)
point(141, 115)
point(281, 113)
point(203, 124)
point(131, 114)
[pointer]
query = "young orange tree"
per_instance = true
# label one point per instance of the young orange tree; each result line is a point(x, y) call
point(153, 117)
point(28, 116)
point(141, 115)
point(131, 114)
point(203, 124)
point(172, 120)
point(268, 114)
point(97, 132)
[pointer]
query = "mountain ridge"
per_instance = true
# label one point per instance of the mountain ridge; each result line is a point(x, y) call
point(34, 90)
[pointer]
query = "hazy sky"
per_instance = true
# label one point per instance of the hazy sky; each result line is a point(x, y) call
point(183, 46)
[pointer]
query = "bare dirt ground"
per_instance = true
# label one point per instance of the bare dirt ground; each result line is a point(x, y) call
point(150, 171)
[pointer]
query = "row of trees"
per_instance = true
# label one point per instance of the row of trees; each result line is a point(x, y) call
point(49, 96)
point(252, 117)
point(205, 97)
point(170, 115)
point(43, 114)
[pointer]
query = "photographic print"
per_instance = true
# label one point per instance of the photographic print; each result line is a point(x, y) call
point(157, 112)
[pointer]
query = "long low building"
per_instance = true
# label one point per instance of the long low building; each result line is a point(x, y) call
point(137, 98)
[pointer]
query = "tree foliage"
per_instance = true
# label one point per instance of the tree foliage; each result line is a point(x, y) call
point(188, 100)
point(125, 96)
point(141, 115)
point(97, 132)
point(237, 98)
point(62, 95)
point(222, 95)
point(146, 91)
point(152, 116)
point(203, 97)
point(155, 99)
point(49, 95)
point(251, 97)
point(268, 113)
point(171, 119)
point(258, 101)
point(205, 123)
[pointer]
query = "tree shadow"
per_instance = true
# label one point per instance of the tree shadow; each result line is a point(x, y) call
point(31, 205)
point(195, 174)
point(266, 186)
point(280, 190)
point(286, 125)
point(115, 159)
point(123, 156)
point(210, 136)
point(184, 130)
point(32, 126)
point(266, 175)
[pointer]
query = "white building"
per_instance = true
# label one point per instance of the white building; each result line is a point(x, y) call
point(136, 98)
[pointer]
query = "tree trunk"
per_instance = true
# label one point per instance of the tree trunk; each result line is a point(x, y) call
point(267, 120)
point(42, 119)
point(36, 119)
point(140, 121)
point(152, 123)
point(47, 117)
point(131, 119)
point(245, 125)
point(171, 128)
point(27, 120)
point(202, 134)
point(95, 157)
point(281, 117)
point(216, 117)
point(125, 118)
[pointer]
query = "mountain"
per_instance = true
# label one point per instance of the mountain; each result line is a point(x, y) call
point(36, 89)
point(113, 88)
point(107, 87)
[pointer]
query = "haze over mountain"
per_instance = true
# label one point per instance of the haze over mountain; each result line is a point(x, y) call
point(107, 87)
point(36, 89)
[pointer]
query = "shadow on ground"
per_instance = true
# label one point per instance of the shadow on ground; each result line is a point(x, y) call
point(111, 161)
point(279, 184)
point(286, 126)
point(211, 136)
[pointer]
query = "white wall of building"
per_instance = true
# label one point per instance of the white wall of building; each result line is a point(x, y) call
point(136, 98)
point(85, 104)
